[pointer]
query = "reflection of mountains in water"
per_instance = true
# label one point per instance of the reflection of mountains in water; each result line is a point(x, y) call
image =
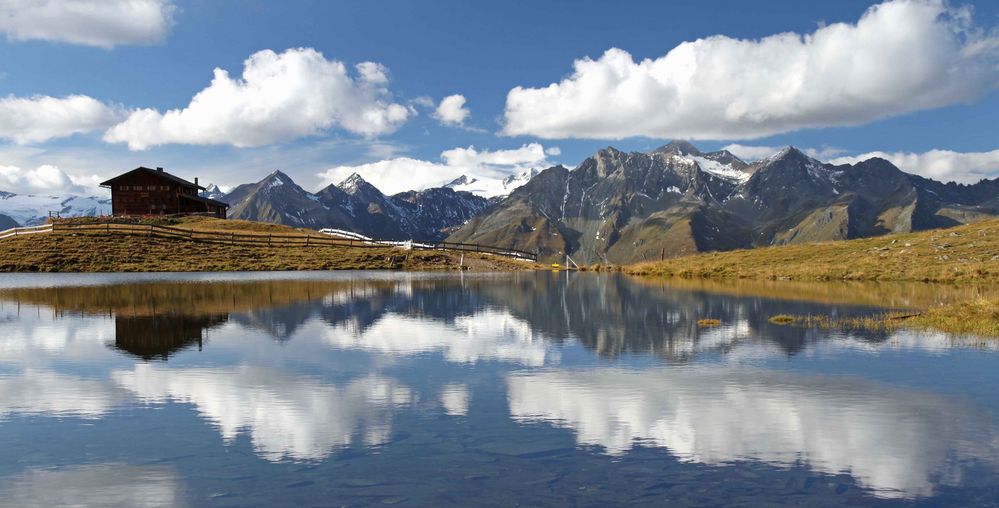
point(608, 314)
point(614, 315)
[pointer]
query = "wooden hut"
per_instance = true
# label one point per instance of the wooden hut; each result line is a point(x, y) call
point(145, 191)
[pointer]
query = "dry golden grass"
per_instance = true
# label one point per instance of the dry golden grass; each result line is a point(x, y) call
point(979, 317)
point(966, 258)
point(96, 251)
point(782, 319)
point(964, 254)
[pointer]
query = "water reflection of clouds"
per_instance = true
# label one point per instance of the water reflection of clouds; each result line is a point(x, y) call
point(486, 335)
point(454, 399)
point(39, 392)
point(93, 485)
point(31, 339)
point(287, 417)
point(899, 442)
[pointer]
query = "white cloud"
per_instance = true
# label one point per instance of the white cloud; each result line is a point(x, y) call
point(102, 23)
point(45, 179)
point(452, 110)
point(901, 56)
point(41, 118)
point(942, 165)
point(404, 173)
point(281, 96)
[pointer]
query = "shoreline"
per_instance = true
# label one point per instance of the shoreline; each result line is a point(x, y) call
point(964, 256)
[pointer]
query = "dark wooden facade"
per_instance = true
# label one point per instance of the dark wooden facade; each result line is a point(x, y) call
point(145, 191)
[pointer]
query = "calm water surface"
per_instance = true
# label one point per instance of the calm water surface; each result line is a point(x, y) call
point(366, 389)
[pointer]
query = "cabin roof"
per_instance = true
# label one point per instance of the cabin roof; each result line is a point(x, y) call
point(205, 200)
point(156, 172)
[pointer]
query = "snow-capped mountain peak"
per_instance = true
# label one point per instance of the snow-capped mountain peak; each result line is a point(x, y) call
point(492, 187)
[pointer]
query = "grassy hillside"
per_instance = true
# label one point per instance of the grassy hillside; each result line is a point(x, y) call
point(69, 251)
point(965, 254)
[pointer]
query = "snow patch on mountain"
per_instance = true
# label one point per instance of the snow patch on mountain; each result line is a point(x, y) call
point(726, 171)
point(492, 187)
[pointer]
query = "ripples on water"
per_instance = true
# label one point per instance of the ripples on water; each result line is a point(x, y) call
point(370, 389)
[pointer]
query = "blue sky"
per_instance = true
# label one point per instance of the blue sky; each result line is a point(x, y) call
point(896, 99)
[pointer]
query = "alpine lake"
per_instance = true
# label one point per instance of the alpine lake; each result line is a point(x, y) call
point(534, 389)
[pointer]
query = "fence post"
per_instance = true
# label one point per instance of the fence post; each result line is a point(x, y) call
point(307, 240)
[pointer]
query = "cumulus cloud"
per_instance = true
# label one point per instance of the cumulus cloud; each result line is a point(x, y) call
point(102, 23)
point(452, 110)
point(46, 179)
point(901, 56)
point(41, 117)
point(281, 96)
point(405, 173)
point(942, 165)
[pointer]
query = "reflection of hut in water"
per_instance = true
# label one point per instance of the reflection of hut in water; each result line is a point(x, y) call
point(158, 337)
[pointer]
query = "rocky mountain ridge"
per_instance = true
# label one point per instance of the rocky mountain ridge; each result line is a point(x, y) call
point(355, 205)
point(618, 207)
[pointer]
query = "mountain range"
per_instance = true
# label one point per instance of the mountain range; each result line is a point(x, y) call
point(619, 207)
point(31, 210)
point(355, 205)
point(614, 207)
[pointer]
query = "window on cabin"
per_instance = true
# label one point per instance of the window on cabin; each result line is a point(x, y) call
point(150, 187)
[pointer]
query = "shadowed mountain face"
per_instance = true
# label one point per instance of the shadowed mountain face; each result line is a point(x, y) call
point(355, 205)
point(7, 222)
point(625, 207)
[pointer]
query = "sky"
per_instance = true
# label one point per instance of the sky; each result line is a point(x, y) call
point(414, 94)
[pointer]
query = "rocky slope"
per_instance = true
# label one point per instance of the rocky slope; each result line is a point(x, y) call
point(355, 205)
point(624, 207)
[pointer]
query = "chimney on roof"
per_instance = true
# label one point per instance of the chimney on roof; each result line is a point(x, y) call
point(195, 181)
point(159, 169)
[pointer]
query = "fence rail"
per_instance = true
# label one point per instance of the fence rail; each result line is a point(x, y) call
point(327, 239)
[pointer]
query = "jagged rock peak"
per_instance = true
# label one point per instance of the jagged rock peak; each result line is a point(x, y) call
point(461, 180)
point(610, 151)
point(678, 147)
point(353, 182)
point(786, 153)
point(278, 177)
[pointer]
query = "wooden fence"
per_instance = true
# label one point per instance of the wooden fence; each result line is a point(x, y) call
point(275, 240)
